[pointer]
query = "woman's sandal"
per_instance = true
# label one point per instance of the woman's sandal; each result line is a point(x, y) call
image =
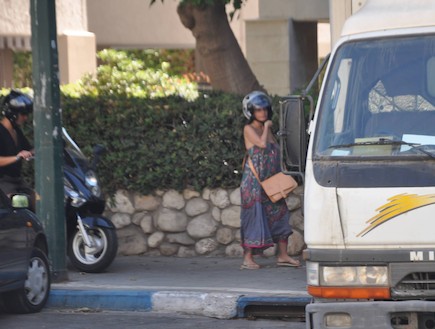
point(249, 267)
point(289, 264)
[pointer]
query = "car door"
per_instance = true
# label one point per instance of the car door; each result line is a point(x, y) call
point(13, 243)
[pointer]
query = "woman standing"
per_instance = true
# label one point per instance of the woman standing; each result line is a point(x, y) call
point(263, 223)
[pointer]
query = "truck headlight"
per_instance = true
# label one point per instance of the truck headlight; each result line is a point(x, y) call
point(354, 276)
point(347, 275)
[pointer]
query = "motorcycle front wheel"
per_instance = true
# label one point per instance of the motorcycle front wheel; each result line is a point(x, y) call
point(95, 258)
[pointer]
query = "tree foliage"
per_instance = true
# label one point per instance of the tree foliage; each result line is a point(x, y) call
point(126, 75)
point(22, 70)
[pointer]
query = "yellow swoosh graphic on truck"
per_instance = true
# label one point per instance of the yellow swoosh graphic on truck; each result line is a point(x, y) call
point(396, 206)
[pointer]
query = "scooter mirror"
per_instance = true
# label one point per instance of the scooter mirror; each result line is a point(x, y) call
point(99, 149)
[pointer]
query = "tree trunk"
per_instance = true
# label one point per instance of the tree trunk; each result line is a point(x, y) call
point(220, 53)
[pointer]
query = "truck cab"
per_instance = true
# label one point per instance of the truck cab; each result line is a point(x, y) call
point(369, 172)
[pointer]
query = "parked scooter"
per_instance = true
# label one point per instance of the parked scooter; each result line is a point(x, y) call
point(92, 241)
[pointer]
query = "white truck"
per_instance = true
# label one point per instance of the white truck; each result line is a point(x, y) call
point(367, 158)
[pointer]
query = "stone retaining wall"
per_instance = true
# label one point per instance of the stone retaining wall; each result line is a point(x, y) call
point(169, 223)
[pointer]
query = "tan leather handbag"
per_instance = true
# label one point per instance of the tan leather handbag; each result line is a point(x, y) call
point(278, 186)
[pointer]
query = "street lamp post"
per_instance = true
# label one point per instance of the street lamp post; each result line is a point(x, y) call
point(48, 132)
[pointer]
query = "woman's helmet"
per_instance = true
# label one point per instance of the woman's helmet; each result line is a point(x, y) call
point(16, 103)
point(256, 100)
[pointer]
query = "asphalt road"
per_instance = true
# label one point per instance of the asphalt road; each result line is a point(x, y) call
point(89, 319)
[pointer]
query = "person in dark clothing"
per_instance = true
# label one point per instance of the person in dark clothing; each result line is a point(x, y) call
point(14, 146)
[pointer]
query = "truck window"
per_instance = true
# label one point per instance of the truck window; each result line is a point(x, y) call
point(379, 100)
point(431, 76)
point(340, 92)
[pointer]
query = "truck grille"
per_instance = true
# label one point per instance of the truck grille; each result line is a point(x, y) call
point(419, 284)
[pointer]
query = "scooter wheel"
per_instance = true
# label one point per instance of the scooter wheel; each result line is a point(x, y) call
point(96, 258)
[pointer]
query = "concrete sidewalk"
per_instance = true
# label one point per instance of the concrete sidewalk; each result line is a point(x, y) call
point(208, 286)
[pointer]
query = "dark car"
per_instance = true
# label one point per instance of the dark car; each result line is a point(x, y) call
point(24, 268)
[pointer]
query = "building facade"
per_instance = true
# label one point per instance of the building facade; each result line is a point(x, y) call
point(76, 45)
point(280, 38)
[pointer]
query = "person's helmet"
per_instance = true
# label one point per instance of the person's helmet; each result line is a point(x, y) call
point(256, 100)
point(16, 103)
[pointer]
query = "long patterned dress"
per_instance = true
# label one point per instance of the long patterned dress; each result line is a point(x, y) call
point(263, 222)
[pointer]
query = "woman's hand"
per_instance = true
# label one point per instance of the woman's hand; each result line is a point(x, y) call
point(268, 124)
point(253, 136)
point(24, 154)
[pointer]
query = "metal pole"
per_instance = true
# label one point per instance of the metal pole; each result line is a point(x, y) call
point(48, 132)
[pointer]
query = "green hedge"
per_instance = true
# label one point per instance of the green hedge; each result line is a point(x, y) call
point(166, 143)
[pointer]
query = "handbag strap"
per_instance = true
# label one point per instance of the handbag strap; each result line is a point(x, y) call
point(244, 159)
point(251, 165)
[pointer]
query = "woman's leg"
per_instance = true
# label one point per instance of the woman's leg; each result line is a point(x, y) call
point(283, 257)
point(248, 260)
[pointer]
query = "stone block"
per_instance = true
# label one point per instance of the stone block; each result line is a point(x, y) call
point(155, 239)
point(173, 200)
point(293, 202)
point(216, 214)
point(202, 226)
point(137, 217)
point(206, 246)
point(131, 241)
point(168, 249)
point(146, 202)
point(121, 220)
point(180, 238)
point(206, 194)
point(296, 244)
point(224, 235)
point(219, 197)
point(186, 252)
point(297, 220)
point(231, 216)
point(234, 250)
point(235, 197)
point(121, 203)
point(196, 206)
point(146, 224)
point(171, 221)
point(190, 194)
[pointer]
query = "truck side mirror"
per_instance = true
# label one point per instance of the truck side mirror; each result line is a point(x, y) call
point(293, 134)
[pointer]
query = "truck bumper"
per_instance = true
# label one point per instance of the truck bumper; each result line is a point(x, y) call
point(363, 315)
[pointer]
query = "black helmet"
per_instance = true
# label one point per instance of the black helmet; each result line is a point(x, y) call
point(256, 100)
point(16, 103)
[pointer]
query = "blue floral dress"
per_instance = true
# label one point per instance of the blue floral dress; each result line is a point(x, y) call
point(263, 222)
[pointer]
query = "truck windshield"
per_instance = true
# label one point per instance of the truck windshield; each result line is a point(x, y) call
point(379, 100)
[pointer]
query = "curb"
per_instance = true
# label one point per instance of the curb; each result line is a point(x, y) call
point(98, 299)
point(289, 307)
point(211, 304)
